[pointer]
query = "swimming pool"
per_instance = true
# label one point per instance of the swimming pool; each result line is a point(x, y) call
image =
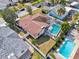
point(55, 29)
point(54, 14)
point(67, 48)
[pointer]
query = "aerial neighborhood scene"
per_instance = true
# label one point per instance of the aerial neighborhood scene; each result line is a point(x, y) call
point(39, 29)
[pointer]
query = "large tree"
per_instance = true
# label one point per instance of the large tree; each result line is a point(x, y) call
point(9, 16)
point(61, 11)
point(58, 1)
point(63, 2)
point(65, 27)
point(29, 9)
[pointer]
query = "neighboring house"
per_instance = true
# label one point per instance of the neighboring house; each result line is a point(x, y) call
point(5, 3)
point(34, 24)
point(22, 12)
point(12, 46)
point(43, 4)
point(75, 5)
point(58, 12)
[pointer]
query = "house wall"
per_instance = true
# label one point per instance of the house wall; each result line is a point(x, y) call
point(41, 32)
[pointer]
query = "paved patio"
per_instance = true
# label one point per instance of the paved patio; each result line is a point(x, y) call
point(76, 55)
point(76, 41)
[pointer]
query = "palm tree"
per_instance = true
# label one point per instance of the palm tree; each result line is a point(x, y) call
point(61, 11)
point(65, 27)
point(58, 1)
point(75, 18)
point(29, 9)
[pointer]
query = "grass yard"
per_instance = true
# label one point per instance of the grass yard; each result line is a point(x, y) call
point(36, 2)
point(44, 43)
point(51, 54)
point(19, 5)
point(14, 9)
point(0, 14)
point(43, 39)
point(36, 55)
point(46, 46)
point(38, 10)
point(40, 40)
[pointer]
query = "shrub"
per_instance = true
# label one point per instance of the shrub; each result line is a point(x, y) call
point(34, 41)
point(34, 3)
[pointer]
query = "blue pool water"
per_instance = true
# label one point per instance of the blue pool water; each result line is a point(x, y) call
point(55, 29)
point(67, 48)
point(53, 13)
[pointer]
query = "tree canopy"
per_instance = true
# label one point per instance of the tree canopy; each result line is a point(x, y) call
point(29, 9)
point(65, 27)
point(61, 11)
point(58, 1)
point(9, 16)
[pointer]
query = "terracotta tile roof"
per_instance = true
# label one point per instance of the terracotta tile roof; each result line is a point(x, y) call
point(76, 55)
point(34, 24)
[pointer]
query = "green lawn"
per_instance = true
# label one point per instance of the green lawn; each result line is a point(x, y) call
point(51, 54)
point(36, 55)
point(36, 11)
point(36, 2)
point(44, 43)
point(0, 14)
point(40, 40)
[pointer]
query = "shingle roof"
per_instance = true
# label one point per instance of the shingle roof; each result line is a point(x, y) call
point(34, 24)
point(10, 43)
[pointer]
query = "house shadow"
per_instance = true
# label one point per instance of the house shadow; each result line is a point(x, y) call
point(42, 39)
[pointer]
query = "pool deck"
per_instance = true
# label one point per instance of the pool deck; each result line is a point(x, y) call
point(73, 52)
point(76, 55)
point(58, 56)
point(76, 41)
point(75, 49)
point(58, 35)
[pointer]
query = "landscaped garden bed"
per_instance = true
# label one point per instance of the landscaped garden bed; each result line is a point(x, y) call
point(51, 53)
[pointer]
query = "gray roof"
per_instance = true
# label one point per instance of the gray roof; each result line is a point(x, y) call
point(42, 4)
point(4, 3)
point(10, 43)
